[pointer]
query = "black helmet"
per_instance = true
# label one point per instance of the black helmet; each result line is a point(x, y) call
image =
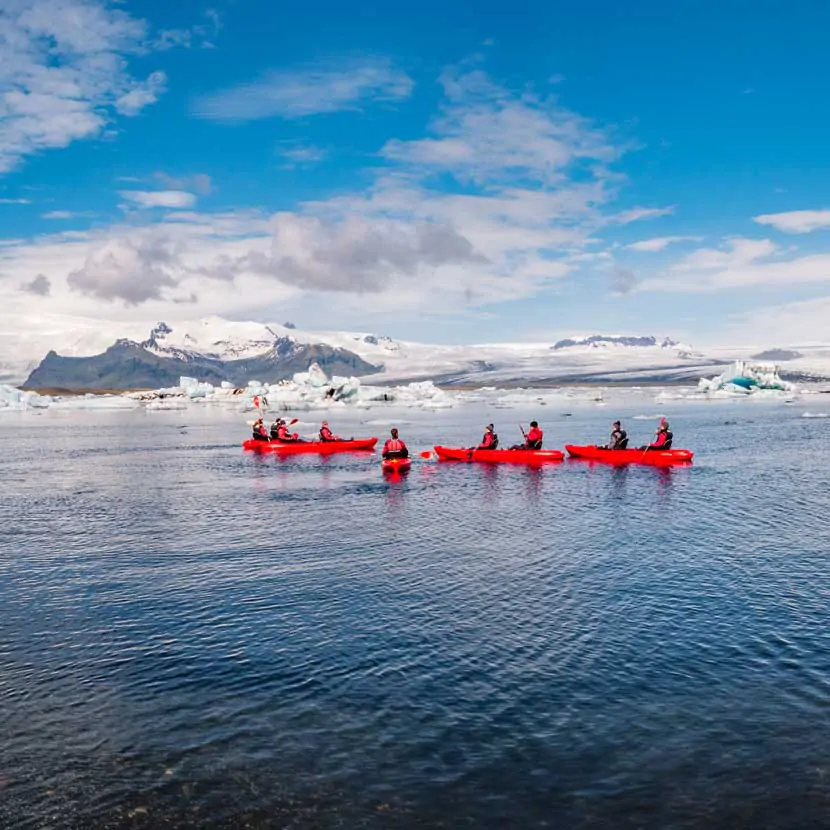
point(534, 424)
point(616, 424)
point(489, 428)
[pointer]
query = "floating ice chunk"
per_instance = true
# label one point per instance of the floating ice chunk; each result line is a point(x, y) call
point(744, 378)
point(13, 399)
point(814, 415)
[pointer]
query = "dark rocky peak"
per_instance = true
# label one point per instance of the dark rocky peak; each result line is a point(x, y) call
point(597, 340)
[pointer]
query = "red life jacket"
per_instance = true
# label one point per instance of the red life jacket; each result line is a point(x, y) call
point(535, 436)
point(283, 434)
point(326, 434)
point(394, 445)
point(490, 441)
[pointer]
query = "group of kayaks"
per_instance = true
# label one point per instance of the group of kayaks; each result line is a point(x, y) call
point(651, 457)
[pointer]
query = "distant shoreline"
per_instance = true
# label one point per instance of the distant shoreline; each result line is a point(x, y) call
point(59, 391)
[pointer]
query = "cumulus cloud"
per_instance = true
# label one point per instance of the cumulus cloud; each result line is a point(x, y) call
point(159, 198)
point(419, 237)
point(356, 255)
point(64, 73)
point(325, 87)
point(132, 270)
point(659, 243)
point(40, 286)
point(796, 221)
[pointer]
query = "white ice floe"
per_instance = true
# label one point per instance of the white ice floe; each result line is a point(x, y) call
point(306, 391)
point(18, 400)
point(746, 378)
point(815, 415)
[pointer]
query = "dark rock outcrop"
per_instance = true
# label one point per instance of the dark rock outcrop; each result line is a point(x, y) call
point(130, 365)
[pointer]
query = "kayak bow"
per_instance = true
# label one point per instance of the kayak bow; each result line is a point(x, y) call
point(395, 465)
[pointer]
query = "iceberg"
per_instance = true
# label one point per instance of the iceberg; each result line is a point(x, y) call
point(744, 377)
point(13, 399)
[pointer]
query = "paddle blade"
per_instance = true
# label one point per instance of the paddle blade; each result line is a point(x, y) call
point(426, 454)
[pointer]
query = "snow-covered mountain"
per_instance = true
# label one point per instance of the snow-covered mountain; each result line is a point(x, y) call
point(223, 349)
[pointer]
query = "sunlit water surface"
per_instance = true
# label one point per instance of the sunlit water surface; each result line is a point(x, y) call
point(192, 636)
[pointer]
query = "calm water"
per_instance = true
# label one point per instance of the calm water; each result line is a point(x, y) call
point(194, 637)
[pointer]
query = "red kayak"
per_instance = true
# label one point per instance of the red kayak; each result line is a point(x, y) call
point(321, 447)
point(499, 456)
point(654, 458)
point(395, 465)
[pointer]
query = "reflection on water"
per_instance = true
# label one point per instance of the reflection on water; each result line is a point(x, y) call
point(193, 636)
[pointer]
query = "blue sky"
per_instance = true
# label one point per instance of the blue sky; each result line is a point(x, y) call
point(443, 172)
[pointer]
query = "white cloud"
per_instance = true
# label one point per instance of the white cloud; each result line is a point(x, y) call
point(198, 36)
point(488, 134)
point(321, 88)
point(790, 324)
point(15, 201)
point(638, 214)
point(159, 198)
point(64, 73)
point(796, 221)
point(200, 182)
point(57, 214)
point(741, 263)
point(141, 94)
point(419, 239)
point(40, 286)
point(302, 156)
point(659, 243)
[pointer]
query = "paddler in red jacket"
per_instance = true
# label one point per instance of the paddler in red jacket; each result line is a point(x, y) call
point(327, 435)
point(490, 441)
point(259, 433)
point(533, 439)
point(284, 436)
point(394, 447)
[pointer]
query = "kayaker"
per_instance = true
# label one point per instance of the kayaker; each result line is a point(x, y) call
point(533, 439)
point(490, 441)
point(664, 437)
point(326, 434)
point(275, 428)
point(259, 433)
point(619, 437)
point(284, 436)
point(394, 447)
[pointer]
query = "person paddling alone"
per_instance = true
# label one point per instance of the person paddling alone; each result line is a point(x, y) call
point(619, 437)
point(489, 441)
point(394, 447)
point(259, 433)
